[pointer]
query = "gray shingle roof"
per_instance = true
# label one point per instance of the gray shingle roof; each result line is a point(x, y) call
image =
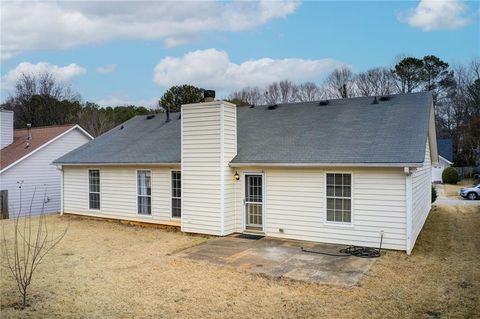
point(445, 148)
point(344, 131)
point(141, 140)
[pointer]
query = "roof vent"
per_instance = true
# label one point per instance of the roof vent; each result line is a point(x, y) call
point(324, 102)
point(29, 131)
point(252, 106)
point(375, 101)
point(272, 107)
point(151, 116)
point(385, 98)
point(121, 127)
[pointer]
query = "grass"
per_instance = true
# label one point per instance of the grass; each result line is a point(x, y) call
point(451, 191)
point(109, 270)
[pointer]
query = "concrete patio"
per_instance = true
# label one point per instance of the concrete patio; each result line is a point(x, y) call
point(279, 258)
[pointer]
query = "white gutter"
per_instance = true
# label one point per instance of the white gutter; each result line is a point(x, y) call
point(120, 164)
point(308, 165)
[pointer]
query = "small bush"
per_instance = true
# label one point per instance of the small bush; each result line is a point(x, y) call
point(434, 194)
point(450, 175)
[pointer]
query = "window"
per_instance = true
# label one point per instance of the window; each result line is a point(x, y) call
point(339, 198)
point(176, 194)
point(94, 189)
point(144, 192)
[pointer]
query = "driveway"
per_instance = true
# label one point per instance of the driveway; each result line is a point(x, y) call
point(280, 258)
point(443, 199)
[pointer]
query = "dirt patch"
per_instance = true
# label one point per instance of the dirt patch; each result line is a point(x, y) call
point(107, 270)
point(451, 191)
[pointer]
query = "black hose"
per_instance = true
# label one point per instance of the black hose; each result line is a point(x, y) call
point(357, 251)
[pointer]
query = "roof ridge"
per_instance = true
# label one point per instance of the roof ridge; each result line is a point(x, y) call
point(47, 126)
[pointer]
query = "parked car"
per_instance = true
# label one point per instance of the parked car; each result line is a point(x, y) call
point(471, 192)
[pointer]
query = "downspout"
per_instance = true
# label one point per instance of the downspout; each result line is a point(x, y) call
point(409, 209)
point(61, 190)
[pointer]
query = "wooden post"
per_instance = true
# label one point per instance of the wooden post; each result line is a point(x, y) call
point(4, 204)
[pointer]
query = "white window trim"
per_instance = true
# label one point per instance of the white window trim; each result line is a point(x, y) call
point(352, 207)
point(171, 194)
point(151, 193)
point(88, 190)
point(264, 195)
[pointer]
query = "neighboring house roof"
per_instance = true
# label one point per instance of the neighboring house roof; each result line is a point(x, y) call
point(441, 158)
point(41, 137)
point(445, 148)
point(344, 131)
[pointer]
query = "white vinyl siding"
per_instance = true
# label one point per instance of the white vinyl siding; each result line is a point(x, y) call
point(40, 176)
point(118, 188)
point(230, 151)
point(208, 145)
point(6, 128)
point(421, 195)
point(294, 202)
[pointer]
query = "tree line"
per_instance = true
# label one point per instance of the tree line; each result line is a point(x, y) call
point(455, 91)
point(41, 100)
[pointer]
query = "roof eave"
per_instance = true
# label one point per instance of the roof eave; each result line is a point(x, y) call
point(321, 165)
point(117, 164)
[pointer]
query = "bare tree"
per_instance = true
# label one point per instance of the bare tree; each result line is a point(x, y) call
point(250, 95)
point(273, 94)
point(309, 92)
point(41, 100)
point(339, 83)
point(288, 91)
point(32, 240)
point(376, 81)
point(93, 120)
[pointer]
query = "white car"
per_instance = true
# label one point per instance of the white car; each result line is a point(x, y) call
point(471, 193)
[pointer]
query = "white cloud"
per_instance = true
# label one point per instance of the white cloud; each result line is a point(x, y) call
point(52, 25)
point(61, 73)
point(212, 69)
point(109, 68)
point(432, 15)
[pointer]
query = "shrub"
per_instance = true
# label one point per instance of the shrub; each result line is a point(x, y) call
point(434, 194)
point(450, 175)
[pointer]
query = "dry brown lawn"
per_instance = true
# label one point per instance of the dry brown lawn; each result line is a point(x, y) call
point(451, 191)
point(110, 270)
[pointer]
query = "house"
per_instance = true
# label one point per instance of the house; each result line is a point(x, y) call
point(445, 158)
point(25, 160)
point(342, 171)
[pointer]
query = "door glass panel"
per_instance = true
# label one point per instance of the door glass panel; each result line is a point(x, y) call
point(254, 201)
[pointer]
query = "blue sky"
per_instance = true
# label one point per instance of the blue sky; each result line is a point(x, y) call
point(109, 59)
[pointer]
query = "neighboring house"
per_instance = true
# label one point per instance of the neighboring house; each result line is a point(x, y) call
point(340, 171)
point(25, 160)
point(445, 158)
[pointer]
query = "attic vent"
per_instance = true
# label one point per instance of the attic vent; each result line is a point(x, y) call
point(324, 102)
point(385, 98)
point(272, 107)
point(375, 101)
point(151, 116)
